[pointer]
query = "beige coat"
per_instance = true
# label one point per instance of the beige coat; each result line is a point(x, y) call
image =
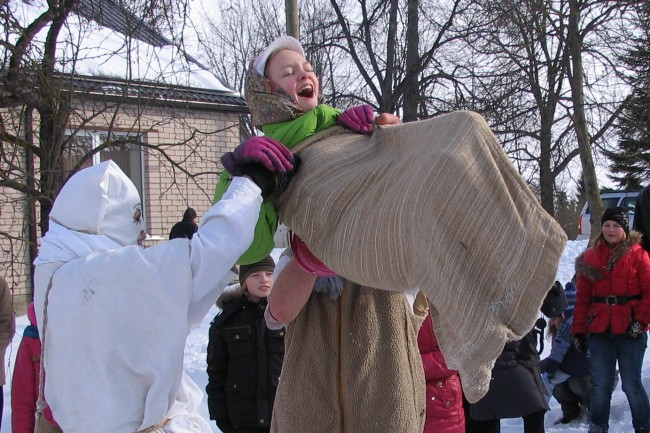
point(7, 324)
point(353, 365)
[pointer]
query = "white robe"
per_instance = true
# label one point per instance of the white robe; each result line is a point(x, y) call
point(117, 319)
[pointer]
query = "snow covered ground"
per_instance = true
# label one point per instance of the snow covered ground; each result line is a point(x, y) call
point(195, 353)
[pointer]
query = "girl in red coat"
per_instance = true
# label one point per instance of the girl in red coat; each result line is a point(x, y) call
point(444, 413)
point(611, 316)
point(24, 384)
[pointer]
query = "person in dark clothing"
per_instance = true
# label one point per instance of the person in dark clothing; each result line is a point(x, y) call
point(567, 371)
point(516, 389)
point(186, 227)
point(642, 217)
point(244, 356)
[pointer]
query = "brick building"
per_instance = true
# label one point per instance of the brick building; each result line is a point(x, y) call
point(194, 128)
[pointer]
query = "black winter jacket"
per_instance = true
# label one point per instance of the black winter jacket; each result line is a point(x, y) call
point(244, 362)
point(516, 388)
point(183, 229)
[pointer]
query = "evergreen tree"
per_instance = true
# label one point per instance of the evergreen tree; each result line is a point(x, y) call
point(630, 163)
point(567, 212)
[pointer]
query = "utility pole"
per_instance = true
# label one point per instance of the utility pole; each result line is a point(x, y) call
point(291, 8)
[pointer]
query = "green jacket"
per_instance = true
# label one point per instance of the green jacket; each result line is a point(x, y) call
point(288, 133)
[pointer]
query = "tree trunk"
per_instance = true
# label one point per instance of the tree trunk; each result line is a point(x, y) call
point(580, 120)
point(30, 208)
point(546, 177)
point(411, 96)
point(387, 96)
point(51, 133)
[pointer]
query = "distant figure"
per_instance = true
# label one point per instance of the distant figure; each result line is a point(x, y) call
point(642, 216)
point(25, 384)
point(7, 329)
point(186, 227)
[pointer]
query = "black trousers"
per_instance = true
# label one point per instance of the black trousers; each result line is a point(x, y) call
point(571, 394)
point(533, 423)
point(2, 404)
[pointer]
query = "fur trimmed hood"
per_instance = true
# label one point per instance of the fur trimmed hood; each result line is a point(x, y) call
point(595, 274)
point(231, 292)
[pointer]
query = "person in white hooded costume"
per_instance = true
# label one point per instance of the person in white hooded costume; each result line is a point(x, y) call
point(115, 316)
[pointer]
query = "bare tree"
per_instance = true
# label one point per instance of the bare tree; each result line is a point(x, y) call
point(528, 86)
point(375, 33)
point(521, 86)
point(231, 38)
point(590, 22)
point(358, 49)
point(516, 62)
point(574, 43)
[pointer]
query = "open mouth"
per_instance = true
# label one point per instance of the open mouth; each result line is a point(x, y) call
point(306, 92)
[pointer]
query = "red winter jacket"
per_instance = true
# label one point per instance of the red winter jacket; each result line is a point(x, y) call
point(602, 272)
point(24, 384)
point(444, 413)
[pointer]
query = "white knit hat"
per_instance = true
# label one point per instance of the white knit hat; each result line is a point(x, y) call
point(281, 43)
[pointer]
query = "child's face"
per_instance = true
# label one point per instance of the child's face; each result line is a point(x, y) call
point(556, 321)
point(294, 74)
point(613, 232)
point(259, 284)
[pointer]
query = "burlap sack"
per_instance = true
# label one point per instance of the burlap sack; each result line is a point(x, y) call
point(435, 204)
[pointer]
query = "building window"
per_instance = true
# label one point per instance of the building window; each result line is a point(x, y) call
point(127, 154)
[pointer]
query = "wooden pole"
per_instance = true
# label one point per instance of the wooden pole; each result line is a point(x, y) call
point(291, 8)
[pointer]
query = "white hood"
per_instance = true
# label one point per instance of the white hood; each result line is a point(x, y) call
point(100, 200)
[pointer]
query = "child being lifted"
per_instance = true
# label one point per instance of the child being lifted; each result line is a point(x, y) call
point(283, 92)
point(387, 208)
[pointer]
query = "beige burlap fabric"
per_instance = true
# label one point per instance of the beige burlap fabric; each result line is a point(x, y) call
point(435, 204)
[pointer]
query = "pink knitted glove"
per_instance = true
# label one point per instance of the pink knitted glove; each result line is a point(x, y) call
point(306, 260)
point(265, 151)
point(359, 119)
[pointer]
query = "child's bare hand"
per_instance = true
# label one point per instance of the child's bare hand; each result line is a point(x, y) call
point(386, 119)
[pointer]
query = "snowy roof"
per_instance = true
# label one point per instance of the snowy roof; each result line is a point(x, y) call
point(117, 46)
point(155, 93)
point(110, 15)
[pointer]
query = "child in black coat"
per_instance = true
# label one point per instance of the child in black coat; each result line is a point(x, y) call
point(244, 356)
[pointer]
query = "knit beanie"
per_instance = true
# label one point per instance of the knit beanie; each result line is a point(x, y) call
point(555, 301)
point(281, 43)
point(618, 215)
point(266, 264)
point(570, 291)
